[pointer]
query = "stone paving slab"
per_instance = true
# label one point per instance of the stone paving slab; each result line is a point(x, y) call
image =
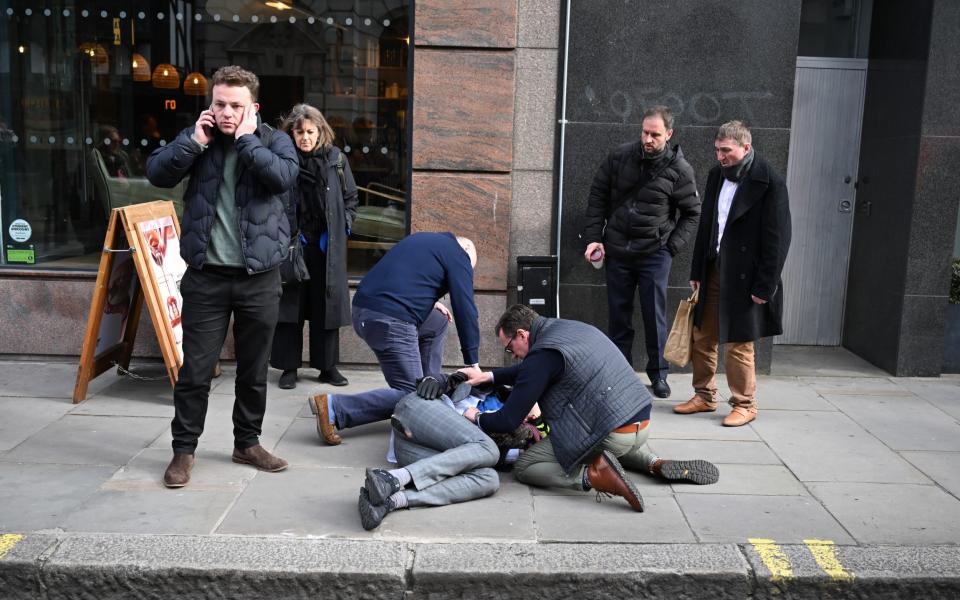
point(718, 451)
point(40, 496)
point(24, 416)
point(875, 513)
point(906, 423)
point(46, 379)
point(941, 467)
point(717, 518)
point(750, 480)
point(582, 519)
point(822, 446)
point(88, 440)
point(174, 512)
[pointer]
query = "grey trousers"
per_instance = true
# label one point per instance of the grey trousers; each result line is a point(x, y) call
point(538, 465)
point(448, 457)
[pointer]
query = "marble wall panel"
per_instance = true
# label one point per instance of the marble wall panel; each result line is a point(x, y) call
point(704, 59)
point(466, 23)
point(473, 205)
point(463, 110)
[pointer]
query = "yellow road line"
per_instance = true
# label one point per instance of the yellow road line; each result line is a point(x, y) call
point(824, 552)
point(773, 557)
point(8, 541)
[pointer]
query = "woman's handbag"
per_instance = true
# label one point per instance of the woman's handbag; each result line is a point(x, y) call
point(294, 268)
point(677, 348)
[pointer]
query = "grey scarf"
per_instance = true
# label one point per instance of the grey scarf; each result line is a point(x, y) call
point(736, 172)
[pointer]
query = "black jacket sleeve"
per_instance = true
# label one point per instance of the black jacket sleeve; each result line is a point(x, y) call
point(687, 202)
point(598, 203)
point(169, 164)
point(775, 230)
point(535, 375)
point(276, 167)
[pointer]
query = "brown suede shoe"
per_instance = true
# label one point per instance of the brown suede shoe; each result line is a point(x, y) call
point(695, 405)
point(739, 416)
point(606, 476)
point(177, 474)
point(326, 431)
point(259, 457)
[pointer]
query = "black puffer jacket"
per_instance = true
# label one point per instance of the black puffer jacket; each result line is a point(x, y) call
point(265, 174)
point(634, 220)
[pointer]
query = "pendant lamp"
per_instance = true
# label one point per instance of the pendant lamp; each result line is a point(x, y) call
point(140, 68)
point(195, 84)
point(166, 77)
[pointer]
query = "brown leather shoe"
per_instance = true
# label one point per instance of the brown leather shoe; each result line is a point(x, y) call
point(259, 457)
point(740, 415)
point(695, 405)
point(606, 476)
point(177, 474)
point(326, 431)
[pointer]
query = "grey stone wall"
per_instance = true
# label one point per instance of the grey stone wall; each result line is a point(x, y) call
point(905, 226)
point(709, 61)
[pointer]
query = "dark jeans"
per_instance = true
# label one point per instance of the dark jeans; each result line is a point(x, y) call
point(405, 352)
point(646, 276)
point(210, 297)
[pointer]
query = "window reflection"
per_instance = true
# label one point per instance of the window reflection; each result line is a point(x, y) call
point(90, 89)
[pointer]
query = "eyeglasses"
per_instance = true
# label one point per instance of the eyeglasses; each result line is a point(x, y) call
point(507, 348)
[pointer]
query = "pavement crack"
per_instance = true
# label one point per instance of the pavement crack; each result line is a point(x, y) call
point(408, 581)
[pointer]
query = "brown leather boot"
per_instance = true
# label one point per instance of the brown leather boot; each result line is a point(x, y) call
point(739, 416)
point(177, 474)
point(606, 476)
point(695, 405)
point(326, 431)
point(259, 457)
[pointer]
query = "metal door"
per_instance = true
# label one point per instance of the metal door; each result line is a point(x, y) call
point(821, 173)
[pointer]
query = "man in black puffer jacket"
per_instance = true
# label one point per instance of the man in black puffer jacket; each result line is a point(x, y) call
point(643, 208)
point(234, 236)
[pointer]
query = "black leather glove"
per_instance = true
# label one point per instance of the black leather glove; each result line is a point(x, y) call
point(454, 380)
point(429, 388)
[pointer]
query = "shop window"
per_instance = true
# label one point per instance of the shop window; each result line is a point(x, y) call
point(89, 89)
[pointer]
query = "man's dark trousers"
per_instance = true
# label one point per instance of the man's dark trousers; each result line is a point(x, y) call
point(647, 276)
point(405, 353)
point(210, 296)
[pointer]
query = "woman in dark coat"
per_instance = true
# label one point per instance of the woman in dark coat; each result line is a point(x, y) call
point(325, 204)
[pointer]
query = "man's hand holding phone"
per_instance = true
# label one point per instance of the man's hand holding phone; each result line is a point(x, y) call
point(249, 122)
point(203, 129)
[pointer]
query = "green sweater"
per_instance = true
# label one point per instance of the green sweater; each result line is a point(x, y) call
point(225, 249)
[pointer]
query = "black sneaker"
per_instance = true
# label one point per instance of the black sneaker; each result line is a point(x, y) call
point(661, 389)
point(380, 485)
point(371, 515)
point(700, 472)
point(333, 377)
point(288, 379)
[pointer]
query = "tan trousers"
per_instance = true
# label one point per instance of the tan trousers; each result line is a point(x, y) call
point(741, 375)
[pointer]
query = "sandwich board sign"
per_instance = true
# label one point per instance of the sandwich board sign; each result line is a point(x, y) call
point(140, 265)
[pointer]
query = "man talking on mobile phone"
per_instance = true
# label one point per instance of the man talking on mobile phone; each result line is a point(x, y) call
point(234, 236)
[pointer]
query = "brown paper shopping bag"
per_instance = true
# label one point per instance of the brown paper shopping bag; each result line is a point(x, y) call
point(677, 349)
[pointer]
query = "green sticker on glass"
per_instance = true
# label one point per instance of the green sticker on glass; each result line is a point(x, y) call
point(20, 256)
